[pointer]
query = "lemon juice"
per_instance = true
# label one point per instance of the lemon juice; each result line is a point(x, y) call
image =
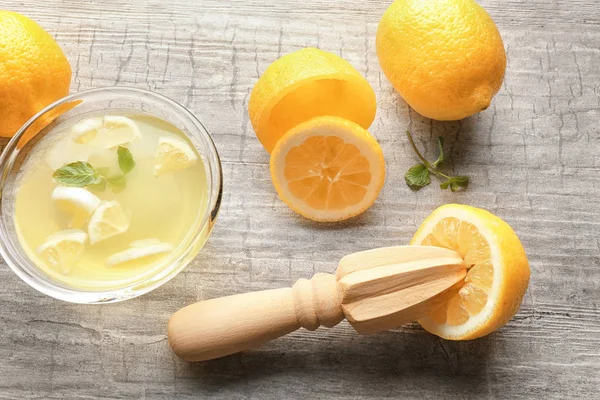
point(105, 201)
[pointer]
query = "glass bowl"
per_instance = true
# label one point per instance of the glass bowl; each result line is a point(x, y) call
point(115, 99)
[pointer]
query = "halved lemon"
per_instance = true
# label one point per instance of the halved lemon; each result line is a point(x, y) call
point(108, 220)
point(328, 169)
point(498, 271)
point(306, 84)
point(63, 249)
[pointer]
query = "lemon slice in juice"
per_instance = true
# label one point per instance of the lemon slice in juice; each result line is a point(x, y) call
point(119, 131)
point(71, 198)
point(63, 249)
point(140, 249)
point(173, 155)
point(107, 132)
point(86, 130)
point(108, 220)
point(77, 202)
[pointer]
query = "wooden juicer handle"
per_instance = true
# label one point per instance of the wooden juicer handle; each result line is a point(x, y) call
point(375, 290)
point(218, 327)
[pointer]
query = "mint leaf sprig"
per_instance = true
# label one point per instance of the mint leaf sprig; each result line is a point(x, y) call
point(419, 176)
point(77, 173)
point(82, 173)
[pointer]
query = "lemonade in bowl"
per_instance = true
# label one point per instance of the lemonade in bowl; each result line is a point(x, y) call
point(110, 200)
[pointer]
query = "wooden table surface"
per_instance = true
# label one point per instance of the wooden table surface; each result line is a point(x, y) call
point(534, 161)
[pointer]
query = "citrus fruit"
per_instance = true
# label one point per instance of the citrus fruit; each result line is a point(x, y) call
point(76, 202)
point(109, 131)
point(306, 84)
point(144, 242)
point(118, 131)
point(498, 271)
point(140, 249)
point(86, 130)
point(108, 220)
point(72, 198)
point(173, 155)
point(34, 72)
point(328, 169)
point(63, 249)
point(445, 57)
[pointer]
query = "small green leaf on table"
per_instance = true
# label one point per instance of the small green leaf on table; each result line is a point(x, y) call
point(417, 177)
point(456, 183)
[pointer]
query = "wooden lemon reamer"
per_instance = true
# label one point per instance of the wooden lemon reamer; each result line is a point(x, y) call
point(374, 290)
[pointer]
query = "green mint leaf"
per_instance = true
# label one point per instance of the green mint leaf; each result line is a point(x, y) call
point(459, 183)
point(99, 186)
point(440, 158)
point(417, 177)
point(126, 162)
point(116, 179)
point(117, 183)
point(79, 174)
point(456, 183)
point(104, 171)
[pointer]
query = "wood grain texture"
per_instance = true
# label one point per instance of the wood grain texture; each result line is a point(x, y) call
point(533, 157)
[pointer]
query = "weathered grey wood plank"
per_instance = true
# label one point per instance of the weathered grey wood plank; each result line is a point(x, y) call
point(532, 156)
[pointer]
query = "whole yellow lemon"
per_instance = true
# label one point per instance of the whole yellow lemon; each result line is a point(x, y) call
point(34, 72)
point(445, 57)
